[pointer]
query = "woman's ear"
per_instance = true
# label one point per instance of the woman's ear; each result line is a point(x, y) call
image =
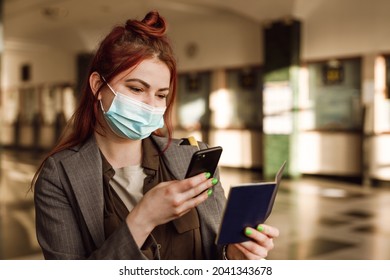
point(95, 82)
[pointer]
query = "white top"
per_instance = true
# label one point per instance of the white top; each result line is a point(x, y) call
point(128, 183)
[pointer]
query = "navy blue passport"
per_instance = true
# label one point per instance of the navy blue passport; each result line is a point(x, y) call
point(247, 205)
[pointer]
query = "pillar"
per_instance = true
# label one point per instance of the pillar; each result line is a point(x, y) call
point(280, 96)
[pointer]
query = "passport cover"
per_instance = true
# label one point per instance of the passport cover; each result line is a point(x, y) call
point(247, 205)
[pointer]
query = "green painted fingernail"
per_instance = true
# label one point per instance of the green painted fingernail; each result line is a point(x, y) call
point(214, 181)
point(248, 231)
point(207, 174)
point(260, 228)
point(209, 192)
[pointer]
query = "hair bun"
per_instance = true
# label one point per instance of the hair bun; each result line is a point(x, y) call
point(153, 25)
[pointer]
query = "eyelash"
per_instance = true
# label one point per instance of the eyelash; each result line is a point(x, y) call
point(137, 90)
point(140, 90)
point(162, 96)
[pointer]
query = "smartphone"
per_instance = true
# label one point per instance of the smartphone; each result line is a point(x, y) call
point(205, 160)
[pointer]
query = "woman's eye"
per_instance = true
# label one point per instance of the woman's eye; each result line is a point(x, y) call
point(136, 89)
point(162, 96)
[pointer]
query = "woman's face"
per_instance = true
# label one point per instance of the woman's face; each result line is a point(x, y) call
point(149, 83)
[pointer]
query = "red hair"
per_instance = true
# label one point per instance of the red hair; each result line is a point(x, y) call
point(123, 48)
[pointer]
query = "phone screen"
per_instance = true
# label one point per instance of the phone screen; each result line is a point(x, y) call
point(204, 161)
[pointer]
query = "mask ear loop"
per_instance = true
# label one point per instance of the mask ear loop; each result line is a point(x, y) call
point(104, 80)
point(112, 90)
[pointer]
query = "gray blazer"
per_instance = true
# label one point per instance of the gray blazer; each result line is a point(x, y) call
point(69, 205)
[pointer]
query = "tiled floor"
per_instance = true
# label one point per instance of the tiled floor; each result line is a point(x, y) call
point(17, 223)
point(317, 218)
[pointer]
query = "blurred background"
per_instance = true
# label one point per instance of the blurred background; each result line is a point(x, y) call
point(268, 80)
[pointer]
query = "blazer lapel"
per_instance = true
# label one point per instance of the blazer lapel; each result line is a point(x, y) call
point(176, 156)
point(84, 170)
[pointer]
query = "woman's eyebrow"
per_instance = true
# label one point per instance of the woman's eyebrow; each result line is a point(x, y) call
point(164, 89)
point(140, 81)
point(145, 84)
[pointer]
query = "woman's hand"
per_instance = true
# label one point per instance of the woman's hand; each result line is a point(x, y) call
point(257, 248)
point(168, 201)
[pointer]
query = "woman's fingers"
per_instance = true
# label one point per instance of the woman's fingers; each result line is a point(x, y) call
point(189, 183)
point(178, 197)
point(260, 237)
point(198, 199)
point(251, 250)
point(187, 189)
point(268, 230)
point(194, 196)
point(200, 188)
point(261, 242)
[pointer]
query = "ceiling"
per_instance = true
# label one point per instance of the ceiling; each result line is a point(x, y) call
point(37, 20)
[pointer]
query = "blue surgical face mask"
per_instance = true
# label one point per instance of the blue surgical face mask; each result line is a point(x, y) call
point(132, 119)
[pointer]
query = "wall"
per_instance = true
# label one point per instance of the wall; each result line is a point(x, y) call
point(343, 28)
point(331, 28)
point(48, 65)
point(225, 41)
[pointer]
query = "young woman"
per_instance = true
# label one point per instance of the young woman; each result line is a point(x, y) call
point(114, 188)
